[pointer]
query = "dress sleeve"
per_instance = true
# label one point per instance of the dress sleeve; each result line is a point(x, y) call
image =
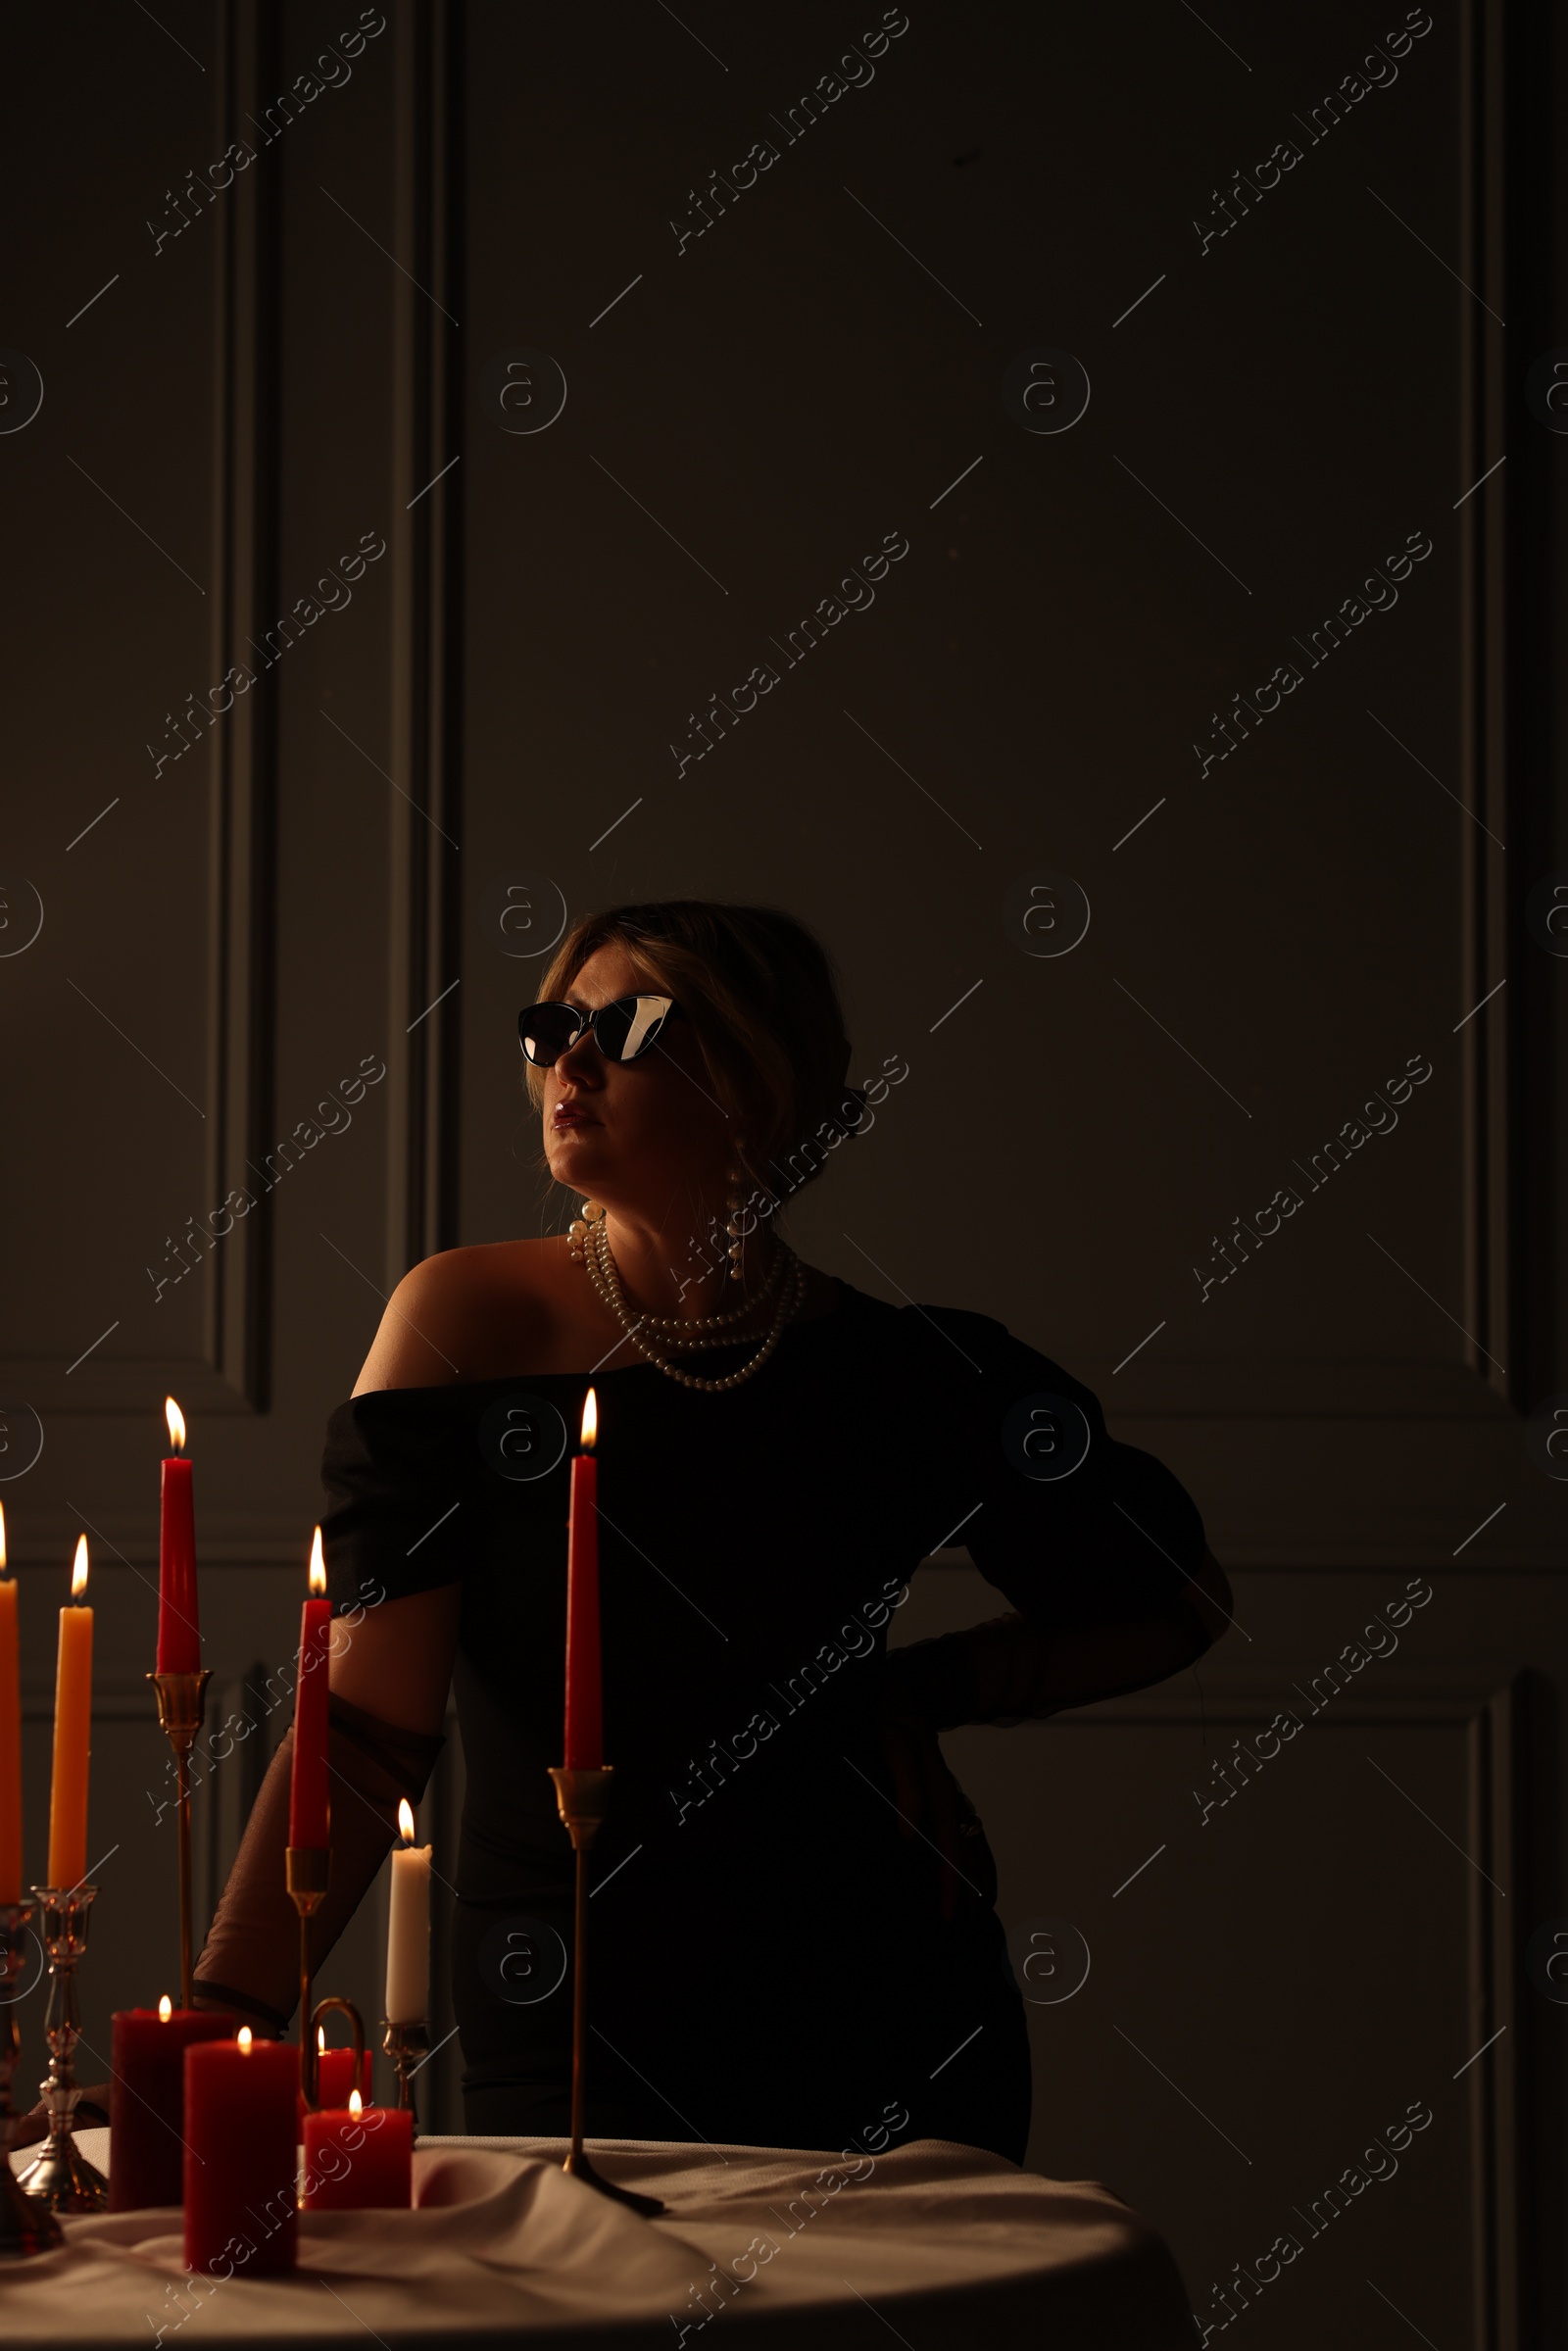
point(1113, 1538)
point(394, 1477)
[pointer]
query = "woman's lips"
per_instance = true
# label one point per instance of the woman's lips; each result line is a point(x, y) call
point(563, 1118)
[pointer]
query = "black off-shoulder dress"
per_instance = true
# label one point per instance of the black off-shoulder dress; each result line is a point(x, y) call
point(769, 1961)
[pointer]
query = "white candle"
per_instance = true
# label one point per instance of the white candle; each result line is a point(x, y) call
point(407, 1945)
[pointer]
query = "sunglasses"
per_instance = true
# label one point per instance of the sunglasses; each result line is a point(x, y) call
point(623, 1031)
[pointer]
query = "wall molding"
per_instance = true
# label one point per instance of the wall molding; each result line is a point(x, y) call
point(242, 896)
point(1490, 1719)
point(1239, 1389)
point(232, 1374)
point(1495, 1108)
point(125, 1383)
point(246, 1538)
point(423, 977)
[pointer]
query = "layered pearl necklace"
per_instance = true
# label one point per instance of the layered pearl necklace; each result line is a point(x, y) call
point(696, 1331)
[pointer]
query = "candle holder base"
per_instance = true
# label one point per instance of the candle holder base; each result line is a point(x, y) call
point(579, 2164)
point(60, 2178)
point(582, 1799)
point(26, 2224)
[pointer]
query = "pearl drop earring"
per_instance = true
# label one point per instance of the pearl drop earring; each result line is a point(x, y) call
point(733, 1206)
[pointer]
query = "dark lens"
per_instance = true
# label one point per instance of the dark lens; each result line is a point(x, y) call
point(628, 1026)
point(545, 1031)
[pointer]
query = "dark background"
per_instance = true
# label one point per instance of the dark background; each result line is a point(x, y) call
point(317, 881)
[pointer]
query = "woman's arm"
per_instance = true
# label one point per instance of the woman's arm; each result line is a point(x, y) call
point(1010, 1670)
point(396, 1661)
point(1049, 1672)
point(388, 1679)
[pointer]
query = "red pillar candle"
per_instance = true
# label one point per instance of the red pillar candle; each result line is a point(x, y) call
point(357, 2158)
point(179, 1641)
point(585, 1736)
point(147, 2100)
point(308, 1806)
point(241, 2216)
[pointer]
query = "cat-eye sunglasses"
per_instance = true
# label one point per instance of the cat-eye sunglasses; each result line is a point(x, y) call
point(623, 1031)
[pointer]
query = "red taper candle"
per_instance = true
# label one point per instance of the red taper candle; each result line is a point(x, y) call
point(585, 1734)
point(179, 1641)
point(308, 1811)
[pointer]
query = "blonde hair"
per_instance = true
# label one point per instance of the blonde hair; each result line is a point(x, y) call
point(761, 995)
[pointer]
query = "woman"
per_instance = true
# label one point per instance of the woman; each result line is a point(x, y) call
point(794, 1924)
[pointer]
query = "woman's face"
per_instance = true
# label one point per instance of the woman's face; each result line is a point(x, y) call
point(645, 1135)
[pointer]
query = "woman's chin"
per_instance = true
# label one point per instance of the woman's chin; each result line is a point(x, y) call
point(570, 1156)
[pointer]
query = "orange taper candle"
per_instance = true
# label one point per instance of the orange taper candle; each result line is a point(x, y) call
point(68, 1804)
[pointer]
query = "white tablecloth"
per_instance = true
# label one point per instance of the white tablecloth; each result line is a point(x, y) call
point(943, 2246)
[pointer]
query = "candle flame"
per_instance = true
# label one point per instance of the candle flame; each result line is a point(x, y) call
point(406, 1820)
point(165, 2008)
point(244, 2038)
point(321, 2038)
point(176, 1424)
point(356, 2102)
point(590, 1421)
point(317, 1567)
point(2, 1539)
point(78, 1572)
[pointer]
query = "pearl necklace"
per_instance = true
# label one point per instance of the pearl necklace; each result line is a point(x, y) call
point(680, 1326)
point(602, 1273)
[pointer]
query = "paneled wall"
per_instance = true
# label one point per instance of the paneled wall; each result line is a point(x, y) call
point(335, 693)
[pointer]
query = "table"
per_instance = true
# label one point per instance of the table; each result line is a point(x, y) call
point(945, 2245)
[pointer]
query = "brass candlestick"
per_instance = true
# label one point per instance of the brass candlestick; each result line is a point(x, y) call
point(26, 2224)
point(327, 2007)
point(181, 1705)
point(405, 2043)
point(59, 2175)
point(307, 1869)
point(582, 1795)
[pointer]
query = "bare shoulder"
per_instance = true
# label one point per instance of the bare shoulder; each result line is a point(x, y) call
point(470, 1313)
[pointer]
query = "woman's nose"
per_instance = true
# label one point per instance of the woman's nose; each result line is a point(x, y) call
point(581, 1063)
